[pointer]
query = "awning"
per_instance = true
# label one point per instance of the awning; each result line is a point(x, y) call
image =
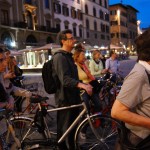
point(112, 46)
point(15, 53)
point(45, 47)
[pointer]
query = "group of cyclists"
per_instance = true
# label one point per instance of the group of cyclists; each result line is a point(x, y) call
point(74, 74)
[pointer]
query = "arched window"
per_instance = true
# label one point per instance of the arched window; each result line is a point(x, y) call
point(101, 14)
point(105, 4)
point(95, 25)
point(80, 30)
point(100, 2)
point(31, 40)
point(94, 12)
point(87, 24)
point(74, 25)
point(66, 24)
point(7, 39)
point(49, 40)
point(86, 9)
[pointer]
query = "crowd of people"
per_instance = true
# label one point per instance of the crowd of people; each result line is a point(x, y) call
point(75, 74)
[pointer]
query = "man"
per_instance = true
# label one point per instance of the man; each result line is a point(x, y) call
point(6, 101)
point(112, 63)
point(132, 105)
point(68, 87)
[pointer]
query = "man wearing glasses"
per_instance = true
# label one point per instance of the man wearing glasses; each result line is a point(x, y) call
point(67, 92)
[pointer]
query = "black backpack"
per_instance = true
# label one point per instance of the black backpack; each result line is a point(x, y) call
point(49, 83)
point(49, 78)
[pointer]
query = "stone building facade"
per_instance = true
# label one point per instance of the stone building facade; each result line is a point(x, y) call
point(123, 25)
point(96, 24)
point(36, 22)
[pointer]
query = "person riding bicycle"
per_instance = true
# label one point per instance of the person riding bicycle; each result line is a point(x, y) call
point(6, 102)
point(132, 105)
point(10, 88)
point(13, 67)
point(67, 93)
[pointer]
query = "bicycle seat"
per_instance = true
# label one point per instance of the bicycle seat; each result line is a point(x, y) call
point(38, 99)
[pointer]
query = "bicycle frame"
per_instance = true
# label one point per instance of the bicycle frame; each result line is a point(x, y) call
point(77, 120)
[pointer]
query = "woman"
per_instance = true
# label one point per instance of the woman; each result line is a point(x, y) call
point(12, 67)
point(86, 77)
point(96, 65)
point(6, 102)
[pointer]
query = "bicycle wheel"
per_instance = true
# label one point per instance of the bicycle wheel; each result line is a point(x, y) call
point(20, 125)
point(106, 134)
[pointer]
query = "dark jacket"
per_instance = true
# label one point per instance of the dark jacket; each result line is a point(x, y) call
point(3, 94)
point(64, 67)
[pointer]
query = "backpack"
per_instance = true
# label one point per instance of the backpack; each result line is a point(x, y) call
point(49, 79)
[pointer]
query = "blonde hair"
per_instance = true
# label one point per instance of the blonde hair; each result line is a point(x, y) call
point(94, 53)
point(77, 53)
point(11, 63)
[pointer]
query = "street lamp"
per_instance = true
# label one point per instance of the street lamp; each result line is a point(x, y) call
point(13, 44)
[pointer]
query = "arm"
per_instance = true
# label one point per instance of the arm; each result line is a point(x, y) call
point(123, 113)
point(131, 96)
point(107, 64)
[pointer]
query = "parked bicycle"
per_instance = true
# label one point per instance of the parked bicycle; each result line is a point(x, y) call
point(100, 130)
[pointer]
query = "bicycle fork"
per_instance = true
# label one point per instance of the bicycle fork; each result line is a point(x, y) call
point(11, 130)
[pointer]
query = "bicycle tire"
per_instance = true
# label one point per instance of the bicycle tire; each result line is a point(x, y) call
point(106, 129)
point(20, 125)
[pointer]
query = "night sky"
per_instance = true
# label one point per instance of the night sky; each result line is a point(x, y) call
point(143, 6)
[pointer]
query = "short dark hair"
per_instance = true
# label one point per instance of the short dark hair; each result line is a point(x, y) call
point(143, 46)
point(62, 35)
point(1, 50)
point(111, 52)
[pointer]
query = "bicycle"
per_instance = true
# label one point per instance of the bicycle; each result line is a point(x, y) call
point(98, 136)
point(109, 91)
